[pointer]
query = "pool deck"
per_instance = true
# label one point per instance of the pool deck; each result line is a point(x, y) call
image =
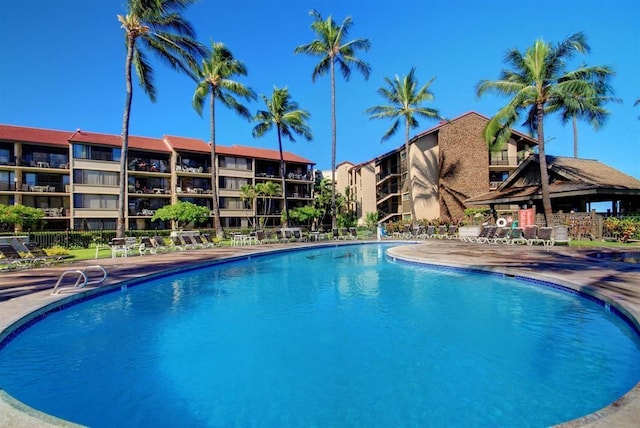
point(24, 293)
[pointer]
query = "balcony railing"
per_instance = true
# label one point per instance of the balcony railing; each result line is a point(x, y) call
point(503, 160)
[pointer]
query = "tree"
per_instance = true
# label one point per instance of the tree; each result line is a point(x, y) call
point(405, 99)
point(333, 50)
point(18, 217)
point(588, 106)
point(283, 113)
point(181, 214)
point(248, 193)
point(214, 80)
point(159, 27)
point(307, 214)
point(268, 190)
point(538, 83)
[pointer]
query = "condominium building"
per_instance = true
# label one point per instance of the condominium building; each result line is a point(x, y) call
point(449, 164)
point(74, 178)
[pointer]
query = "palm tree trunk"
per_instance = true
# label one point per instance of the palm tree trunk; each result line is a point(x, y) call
point(409, 176)
point(282, 174)
point(217, 224)
point(334, 222)
point(575, 136)
point(544, 172)
point(120, 226)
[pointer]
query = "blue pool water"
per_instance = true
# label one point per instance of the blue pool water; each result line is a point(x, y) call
point(324, 337)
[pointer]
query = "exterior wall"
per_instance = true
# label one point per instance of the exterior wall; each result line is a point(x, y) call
point(364, 190)
point(424, 171)
point(463, 164)
point(343, 177)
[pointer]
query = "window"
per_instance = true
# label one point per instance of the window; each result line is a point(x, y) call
point(96, 178)
point(4, 156)
point(102, 202)
point(233, 183)
point(232, 203)
point(235, 163)
point(83, 151)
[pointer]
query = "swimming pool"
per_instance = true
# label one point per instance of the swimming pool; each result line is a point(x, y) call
point(329, 337)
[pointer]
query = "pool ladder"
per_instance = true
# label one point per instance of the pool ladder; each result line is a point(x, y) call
point(82, 279)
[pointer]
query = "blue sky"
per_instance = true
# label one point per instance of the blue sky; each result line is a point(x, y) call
point(62, 67)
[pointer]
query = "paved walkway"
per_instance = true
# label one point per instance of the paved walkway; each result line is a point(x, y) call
point(28, 292)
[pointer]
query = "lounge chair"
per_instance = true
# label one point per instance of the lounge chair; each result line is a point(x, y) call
point(488, 236)
point(12, 258)
point(151, 246)
point(500, 236)
point(187, 242)
point(37, 253)
point(198, 240)
point(545, 234)
point(122, 246)
point(208, 239)
point(161, 243)
point(531, 235)
point(190, 242)
point(452, 232)
point(442, 232)
point(298, 236)
point(517, 236)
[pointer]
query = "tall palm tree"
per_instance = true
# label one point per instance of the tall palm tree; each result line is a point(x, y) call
point(333, 50)
point(283, 113)
point(156, 26)
point(215, 80)
point(539, 84)
point(588, 106)
point(405, 99)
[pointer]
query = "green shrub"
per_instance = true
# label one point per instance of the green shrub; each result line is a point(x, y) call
point(623, 229)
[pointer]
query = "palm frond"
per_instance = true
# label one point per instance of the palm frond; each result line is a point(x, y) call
point(145, 73)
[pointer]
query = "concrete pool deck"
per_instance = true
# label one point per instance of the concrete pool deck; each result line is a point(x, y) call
point(26, 293)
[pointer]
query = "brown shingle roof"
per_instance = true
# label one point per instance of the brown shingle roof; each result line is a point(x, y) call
point(34, 135)
point(135, 142)
point(567, 176)
point(187, 144)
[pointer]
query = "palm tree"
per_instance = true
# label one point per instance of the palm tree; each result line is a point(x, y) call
point(159, 27)
point(539, 84)
point(333, 50)
point(283, 113)
point(405, 99)
point(215, 81)
point(588, 106)
point(270, 189)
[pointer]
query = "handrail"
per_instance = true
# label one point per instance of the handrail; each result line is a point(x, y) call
point(82, 280)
